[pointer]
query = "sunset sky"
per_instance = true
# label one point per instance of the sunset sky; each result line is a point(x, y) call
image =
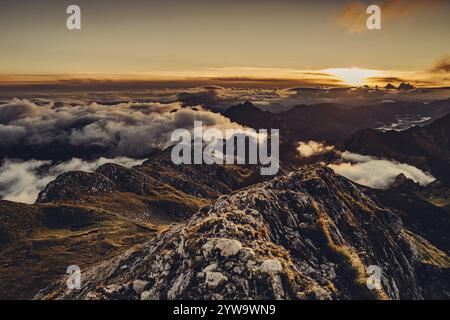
point(312, 42)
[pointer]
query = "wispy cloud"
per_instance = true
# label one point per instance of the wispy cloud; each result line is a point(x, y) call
point(442, 65)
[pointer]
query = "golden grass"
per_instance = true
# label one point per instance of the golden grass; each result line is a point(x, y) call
point(430, 254)
point(352, 267)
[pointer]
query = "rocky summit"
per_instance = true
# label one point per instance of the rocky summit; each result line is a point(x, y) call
point(309, 234)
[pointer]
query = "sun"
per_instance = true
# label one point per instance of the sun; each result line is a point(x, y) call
point(352, 76)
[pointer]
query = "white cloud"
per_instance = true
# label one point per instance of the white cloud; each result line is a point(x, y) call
point(21, 181)
point(311, 148)
point(377, 173)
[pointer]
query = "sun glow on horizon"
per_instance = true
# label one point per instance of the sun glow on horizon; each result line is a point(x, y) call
point(268, 77)
point(353, 76)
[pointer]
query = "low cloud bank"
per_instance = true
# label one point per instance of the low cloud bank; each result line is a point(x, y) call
point(124, 129)
point(21, 181)
point(377, 173)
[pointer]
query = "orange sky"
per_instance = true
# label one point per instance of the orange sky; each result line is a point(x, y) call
point(309, 42)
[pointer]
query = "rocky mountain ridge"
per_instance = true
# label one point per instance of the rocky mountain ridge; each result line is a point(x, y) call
point(309, 234)
point(84, 218)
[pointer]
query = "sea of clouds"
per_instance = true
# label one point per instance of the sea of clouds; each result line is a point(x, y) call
point(123, 132)
point(129, 129)
point(45, 132)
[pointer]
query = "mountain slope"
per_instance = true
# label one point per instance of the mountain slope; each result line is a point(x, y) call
point(83, 218)
point(39, 242)
point(307, 234)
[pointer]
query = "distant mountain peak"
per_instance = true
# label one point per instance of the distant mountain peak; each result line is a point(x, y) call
point(248, 104)
point(390, 86)
point(405, 86)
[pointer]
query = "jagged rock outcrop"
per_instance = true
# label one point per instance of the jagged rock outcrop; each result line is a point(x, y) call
point(309, 234)
point(72, 185)
point(403, 183)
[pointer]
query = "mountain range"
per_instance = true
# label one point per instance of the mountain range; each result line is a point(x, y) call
point(331, 122)
point(426, 147)
point(166, 231)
